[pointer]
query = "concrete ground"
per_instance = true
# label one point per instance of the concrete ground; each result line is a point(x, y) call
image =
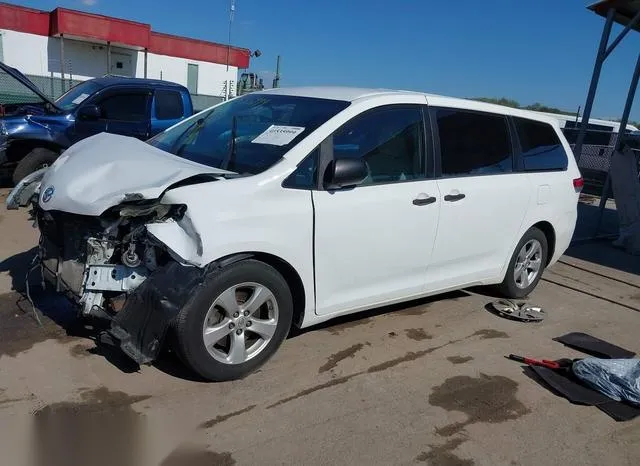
point(423, 383)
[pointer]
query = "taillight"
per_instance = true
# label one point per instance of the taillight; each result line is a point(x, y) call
point(578, 184)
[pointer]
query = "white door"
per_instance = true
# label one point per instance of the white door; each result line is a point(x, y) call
point(484, 202)
point(373, 242)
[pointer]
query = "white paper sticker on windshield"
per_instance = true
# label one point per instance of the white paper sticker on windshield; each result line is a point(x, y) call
point(278, 135)
point(80, 99)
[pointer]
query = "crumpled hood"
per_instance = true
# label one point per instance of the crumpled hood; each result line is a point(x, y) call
point(106, 169)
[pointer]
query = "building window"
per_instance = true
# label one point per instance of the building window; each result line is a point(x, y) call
point(168, 105)
point(473, 143)
point(192, 78)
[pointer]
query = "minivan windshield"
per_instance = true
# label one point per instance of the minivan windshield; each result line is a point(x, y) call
point(248, 134)
point(76, 95)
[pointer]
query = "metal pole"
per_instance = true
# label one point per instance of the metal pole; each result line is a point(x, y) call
point(62, 62)
point(604, 40)
point(619, 139)
point(276, 79)
point(232, 9)
point(624, 32)
point(145, 63)
point(108, 57)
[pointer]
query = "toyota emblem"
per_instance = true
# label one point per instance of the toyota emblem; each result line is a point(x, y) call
point(48, 194)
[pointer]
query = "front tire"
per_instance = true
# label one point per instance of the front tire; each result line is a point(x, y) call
point(526, 266)
point(236, 322)
point(35, 160)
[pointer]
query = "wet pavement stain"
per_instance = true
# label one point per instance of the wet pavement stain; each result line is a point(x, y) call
point(19, 329)
point(392, 334)
point(486, 399)
point(442, 455)
point(417, 334)
point(338, 329)
point(197, 456)
point(223, 417)
point(308, 391)
point(9, 401)
point(459, 359)
point(489, 333)
point(415, 311)
point(410, 356)
point(102, 427)
point(335, 358)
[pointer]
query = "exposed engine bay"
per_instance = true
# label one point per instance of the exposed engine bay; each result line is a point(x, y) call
point(113, 269)
point(96, 261)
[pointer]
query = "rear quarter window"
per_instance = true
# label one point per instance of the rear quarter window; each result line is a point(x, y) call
point(542, 149)
point(168, 105)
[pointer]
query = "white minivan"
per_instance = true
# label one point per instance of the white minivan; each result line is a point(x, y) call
point(294, 206)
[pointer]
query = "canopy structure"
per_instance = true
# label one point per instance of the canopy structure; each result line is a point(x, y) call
point(627, 14)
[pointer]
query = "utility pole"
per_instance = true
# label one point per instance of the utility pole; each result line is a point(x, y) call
point(227, 91)
point(276, 79)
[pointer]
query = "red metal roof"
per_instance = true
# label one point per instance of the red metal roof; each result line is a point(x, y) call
point(78, 24)
point(98, 27)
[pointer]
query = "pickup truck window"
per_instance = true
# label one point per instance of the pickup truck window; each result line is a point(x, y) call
point(125, 107)
point(168, 105)
point(77, 94)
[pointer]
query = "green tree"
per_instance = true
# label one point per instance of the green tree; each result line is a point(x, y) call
point(501, 101)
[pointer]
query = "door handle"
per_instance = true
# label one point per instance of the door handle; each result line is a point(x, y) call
point(454, 197)
point(424, 200)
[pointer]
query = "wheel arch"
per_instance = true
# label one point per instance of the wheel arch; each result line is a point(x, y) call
point(550, 234)
point(19, 148)
point(288, 272)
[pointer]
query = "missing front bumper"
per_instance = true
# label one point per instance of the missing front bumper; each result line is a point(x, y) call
point(141, 326)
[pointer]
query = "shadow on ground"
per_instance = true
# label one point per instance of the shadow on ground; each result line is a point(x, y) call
point(600, 251)
point(415, 307)
point(17, 267)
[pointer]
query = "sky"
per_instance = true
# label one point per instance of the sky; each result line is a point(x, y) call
point(527, 50)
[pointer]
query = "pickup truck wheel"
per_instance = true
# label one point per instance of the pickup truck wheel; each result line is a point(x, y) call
point(36, 159)
point(236, 322)
point(526, 266)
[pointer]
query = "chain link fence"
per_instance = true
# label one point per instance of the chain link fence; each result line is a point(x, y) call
point(594, 161)
point(12, 92)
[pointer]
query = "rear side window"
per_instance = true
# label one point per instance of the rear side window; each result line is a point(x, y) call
point(473, 143)
point(541, 146)
point(168, 105)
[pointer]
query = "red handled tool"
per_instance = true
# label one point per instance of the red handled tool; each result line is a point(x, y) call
point(535, 362)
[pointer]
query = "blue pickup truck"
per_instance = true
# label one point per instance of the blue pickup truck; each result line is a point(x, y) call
point(35, 130)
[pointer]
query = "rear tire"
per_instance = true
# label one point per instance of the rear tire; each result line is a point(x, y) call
point(36, 159)
point(526, 265)
point(223, 337)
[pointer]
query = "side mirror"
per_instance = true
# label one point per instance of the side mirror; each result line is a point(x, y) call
point(89, 112)
point(345, 173)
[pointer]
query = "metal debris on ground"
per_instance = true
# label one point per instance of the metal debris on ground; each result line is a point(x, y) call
point(518, 311)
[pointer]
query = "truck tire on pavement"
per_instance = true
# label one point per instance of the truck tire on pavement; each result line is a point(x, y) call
point(36, 159)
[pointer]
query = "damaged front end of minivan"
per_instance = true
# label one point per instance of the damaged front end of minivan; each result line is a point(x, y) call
point(112, 267)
